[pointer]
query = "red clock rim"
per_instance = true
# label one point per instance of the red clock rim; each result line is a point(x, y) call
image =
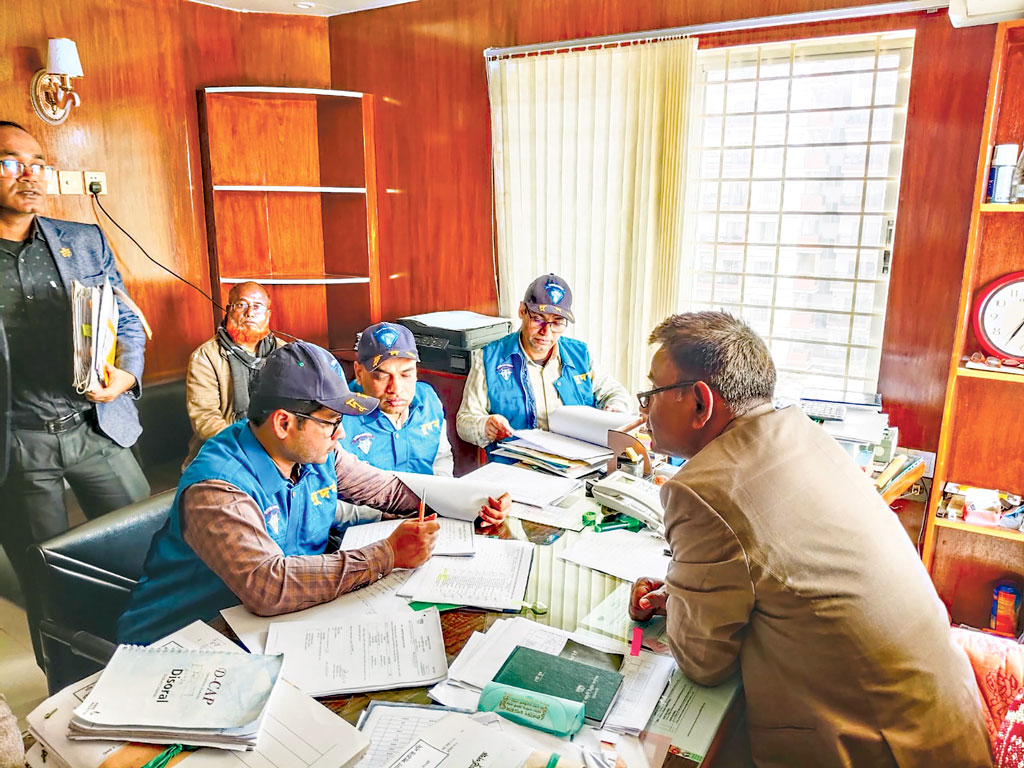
point(980, 301)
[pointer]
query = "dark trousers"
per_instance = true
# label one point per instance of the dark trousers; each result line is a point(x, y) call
point(103, 475)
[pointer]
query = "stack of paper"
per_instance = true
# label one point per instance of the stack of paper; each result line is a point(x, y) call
point(297, 732)
point(369, 654)
point(455, 539)
point(167, 696)
point(495, 578)
point(94, 321)
point(576, 444)
point(523, 485)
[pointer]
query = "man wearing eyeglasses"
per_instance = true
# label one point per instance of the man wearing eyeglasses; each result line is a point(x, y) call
point(254, 509)
point(515, 382)
point(221, 369)
point(788, 566)
point(57, 433)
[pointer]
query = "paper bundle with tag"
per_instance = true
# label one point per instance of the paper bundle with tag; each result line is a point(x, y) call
point(94, 315)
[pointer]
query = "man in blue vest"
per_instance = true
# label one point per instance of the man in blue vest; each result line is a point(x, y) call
point(251, 518)
point(516, 381)
point(407, 432)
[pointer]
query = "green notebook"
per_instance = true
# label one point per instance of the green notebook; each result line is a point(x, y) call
point(540, 672)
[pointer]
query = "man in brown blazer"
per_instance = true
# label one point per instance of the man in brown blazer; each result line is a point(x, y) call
point(787, 565)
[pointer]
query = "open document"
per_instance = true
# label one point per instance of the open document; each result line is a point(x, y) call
point(370, 654)
point(378, 598)
point(691, 714)
point(455, 538)
point(457, 497)
point(523, 485)
point(495, 578)
point(298, 732)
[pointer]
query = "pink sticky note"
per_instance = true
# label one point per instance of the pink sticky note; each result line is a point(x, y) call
point(638, 637)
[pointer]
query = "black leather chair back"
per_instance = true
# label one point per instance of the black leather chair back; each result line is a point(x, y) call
point(83, 579)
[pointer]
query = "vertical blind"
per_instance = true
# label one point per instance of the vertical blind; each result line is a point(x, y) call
point(793, 180)
point(589, 150)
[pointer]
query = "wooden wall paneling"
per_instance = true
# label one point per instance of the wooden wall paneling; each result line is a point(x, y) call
point(967, 569)
point(295, 234)
point(348, 307)
point(238, 128)
point(299, 311)
point(345, 240)
point(241, 245)
point(987, 450)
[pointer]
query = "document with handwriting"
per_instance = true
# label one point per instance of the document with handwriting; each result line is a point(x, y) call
point(455, 538)
point(371, 654)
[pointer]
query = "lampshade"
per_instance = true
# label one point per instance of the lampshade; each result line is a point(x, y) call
point(62, 58)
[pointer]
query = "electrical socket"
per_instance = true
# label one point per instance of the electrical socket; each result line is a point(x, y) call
point(97, 176)
point(71, 182)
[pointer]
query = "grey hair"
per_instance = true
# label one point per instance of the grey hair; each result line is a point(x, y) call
point(724, 351)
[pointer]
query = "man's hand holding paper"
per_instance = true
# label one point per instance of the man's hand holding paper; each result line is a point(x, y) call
point(118, 382)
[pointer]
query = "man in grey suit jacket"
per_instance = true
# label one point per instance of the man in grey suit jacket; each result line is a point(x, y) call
point(787, 565)
point(57, 434)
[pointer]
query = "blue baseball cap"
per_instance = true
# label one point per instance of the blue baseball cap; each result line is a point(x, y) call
point(301, 371)
point(385, 341)
point(550, 295)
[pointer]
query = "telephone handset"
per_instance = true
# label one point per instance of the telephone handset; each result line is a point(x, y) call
point(633, 496)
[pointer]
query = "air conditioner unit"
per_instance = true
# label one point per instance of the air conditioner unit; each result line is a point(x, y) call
point(968, 13)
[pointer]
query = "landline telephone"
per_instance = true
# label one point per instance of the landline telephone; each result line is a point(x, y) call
point(633, 496)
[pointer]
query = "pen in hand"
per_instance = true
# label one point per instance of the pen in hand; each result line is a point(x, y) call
point(423, 506)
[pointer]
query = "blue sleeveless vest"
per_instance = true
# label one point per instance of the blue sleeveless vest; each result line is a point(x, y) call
point(508, 381)
point(412, 448)
point(178, 587)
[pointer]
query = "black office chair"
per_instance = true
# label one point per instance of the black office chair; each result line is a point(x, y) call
point(83, 578)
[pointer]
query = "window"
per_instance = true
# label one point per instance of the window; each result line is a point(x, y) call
point(793, 181)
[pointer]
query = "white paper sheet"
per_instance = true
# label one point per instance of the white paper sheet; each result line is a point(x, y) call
point(460, 498)
point(560, 445)
point(588, 424)
point(377, 598)
point(610, 618)
point(458, 740)
point(391, 727)
point(372, 654)
point(644, 679)
point(454, 539)
point(691, 714)
point(627, 555)
point(495, 578)
point(550, 514)
point(525, 485)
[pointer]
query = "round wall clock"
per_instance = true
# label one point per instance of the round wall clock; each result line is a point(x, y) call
point(998, 316)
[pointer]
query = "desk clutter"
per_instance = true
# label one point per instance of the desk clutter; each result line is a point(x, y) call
point(520, 694)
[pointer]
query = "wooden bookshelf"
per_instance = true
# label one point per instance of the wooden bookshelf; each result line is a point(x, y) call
point(980, 443)
point(290, 177)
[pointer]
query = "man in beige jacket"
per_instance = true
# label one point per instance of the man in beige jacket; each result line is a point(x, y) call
point(787, 565)
point(220, 370)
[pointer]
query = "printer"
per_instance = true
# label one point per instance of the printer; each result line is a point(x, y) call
point(446, 339)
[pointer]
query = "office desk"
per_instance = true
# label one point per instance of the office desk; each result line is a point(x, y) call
point(570, 592)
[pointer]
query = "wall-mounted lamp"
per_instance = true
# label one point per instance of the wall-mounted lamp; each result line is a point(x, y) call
point(53, 93)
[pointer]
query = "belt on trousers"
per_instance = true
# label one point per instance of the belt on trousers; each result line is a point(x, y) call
point(55, 426)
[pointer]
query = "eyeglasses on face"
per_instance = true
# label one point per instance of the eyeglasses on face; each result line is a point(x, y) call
point(538, 322)
point(15, 169)
point(645, 397)
point(335, 426)
point(244, 308)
